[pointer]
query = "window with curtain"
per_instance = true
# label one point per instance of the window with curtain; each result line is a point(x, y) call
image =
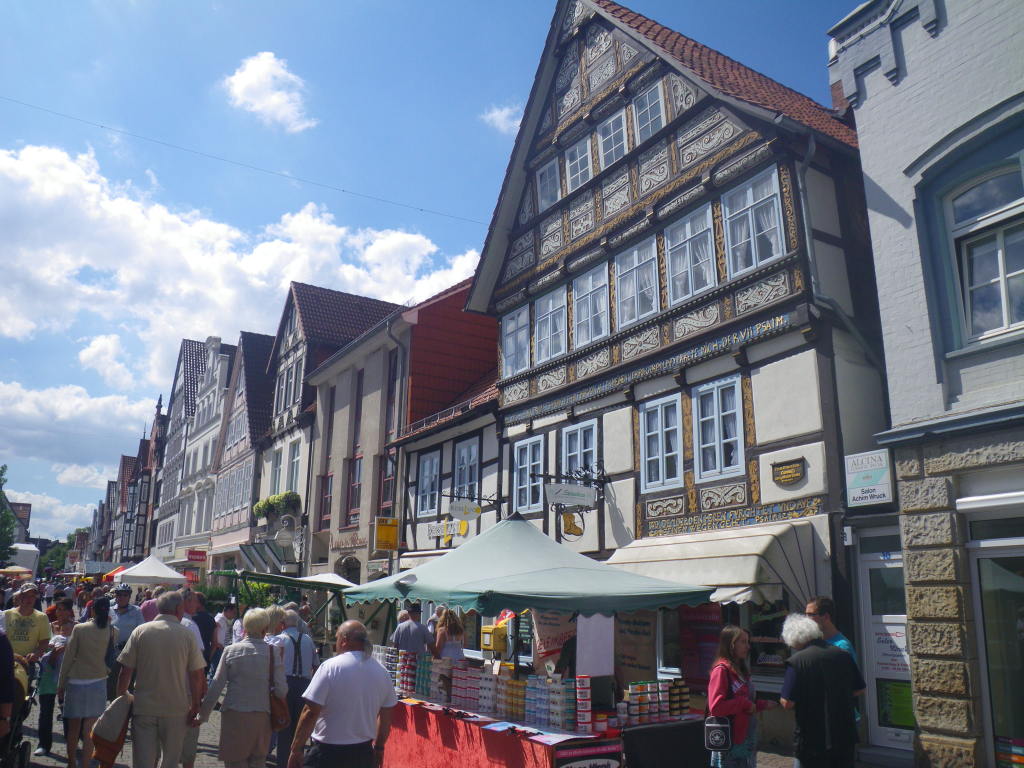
point(293, 466)
point(753, 233)
point(691, 255)
point(611, 136)
point(515, 345)
point(275, 472)
point(467, 469)
point(549, 332)
point(636, 283)
point(548, 185)
point(427, 484)
point(718, 429)
point(660, 444)
point(528, 485)
point(590, 306)
point(988, 231)
point(579, 447)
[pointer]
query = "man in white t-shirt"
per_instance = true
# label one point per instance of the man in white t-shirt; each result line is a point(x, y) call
point(347, 708)
point(223, 636)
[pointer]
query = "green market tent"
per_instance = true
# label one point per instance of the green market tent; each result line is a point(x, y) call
point(514, 565)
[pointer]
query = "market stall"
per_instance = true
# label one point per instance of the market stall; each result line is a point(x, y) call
point(497, 720)
point(151, 571)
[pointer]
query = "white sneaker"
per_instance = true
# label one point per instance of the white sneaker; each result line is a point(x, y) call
point(41, 752)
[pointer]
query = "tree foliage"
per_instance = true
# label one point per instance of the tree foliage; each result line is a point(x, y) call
point(7, 522)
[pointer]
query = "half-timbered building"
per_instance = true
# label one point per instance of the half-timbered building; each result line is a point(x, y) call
point(679, 263)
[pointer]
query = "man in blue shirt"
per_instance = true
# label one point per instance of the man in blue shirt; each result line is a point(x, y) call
point(125, 618)
point(822, 609)
point(412, 636)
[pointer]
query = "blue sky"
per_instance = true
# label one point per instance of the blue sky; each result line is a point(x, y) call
point(115, 247)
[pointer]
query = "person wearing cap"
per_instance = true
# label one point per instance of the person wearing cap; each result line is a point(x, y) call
point(125, 618)
point(27, 629)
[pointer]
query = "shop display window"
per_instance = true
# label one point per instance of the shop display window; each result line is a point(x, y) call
point(1001, 584)
point(767, 652)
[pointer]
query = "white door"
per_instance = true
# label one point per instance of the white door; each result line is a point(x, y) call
point(889, 707)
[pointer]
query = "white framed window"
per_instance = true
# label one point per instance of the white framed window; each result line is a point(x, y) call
point(515, 343)
point(590, 306)
point(289, 386)
point(549, 188)
point(718, 429)
point(611, 136)
point(648, 115)
point(579, 447)
point(753, 234)
point(298, 380)
point(636, 283)
point(577, 164)
point(527, 483)
point(987, 227)
point(467, 469)
point(691, 255)
point(661, 452)
point(549, 328)
point(293, 466)
point(427, 484)
point(275, 472)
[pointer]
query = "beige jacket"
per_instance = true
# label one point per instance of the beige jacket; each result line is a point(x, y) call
point(85, 658)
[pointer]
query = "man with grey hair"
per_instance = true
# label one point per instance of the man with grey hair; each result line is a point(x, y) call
point(820, 683)
point(169, 684)
point(347, 708)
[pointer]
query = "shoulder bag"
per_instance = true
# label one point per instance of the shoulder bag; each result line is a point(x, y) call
point(279, 715)
point(718, 730)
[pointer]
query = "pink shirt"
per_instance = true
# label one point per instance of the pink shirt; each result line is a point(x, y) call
point(149, 610)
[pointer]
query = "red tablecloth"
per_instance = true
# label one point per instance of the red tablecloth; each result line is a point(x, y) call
point(431, 739)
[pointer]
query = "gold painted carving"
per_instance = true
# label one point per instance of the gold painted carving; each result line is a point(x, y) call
point(659, 246)
point(688, 433)
point(788, 206)
point(754, 478)
point(676, 505)
point(748, 411)
point(719, 226)
point(798, 280)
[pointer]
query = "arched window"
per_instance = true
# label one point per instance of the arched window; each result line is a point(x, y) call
point(987, 217)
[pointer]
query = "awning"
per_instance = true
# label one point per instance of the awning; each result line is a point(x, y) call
point(110, 576)
point(752, 563)
point(411, 559)
point(514, 565)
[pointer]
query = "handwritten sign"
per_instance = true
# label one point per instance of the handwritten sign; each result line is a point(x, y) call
point(635, 635)
point(551, 630)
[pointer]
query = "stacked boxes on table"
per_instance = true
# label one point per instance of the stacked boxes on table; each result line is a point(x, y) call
point(659, 701)
point(388, 658)
point(511, 699)
point(406, 683)
point(584, 705)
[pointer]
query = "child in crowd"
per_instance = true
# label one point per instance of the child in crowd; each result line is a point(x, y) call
point(49, 671)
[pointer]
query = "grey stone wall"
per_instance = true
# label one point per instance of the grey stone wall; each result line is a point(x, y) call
point(941, 627)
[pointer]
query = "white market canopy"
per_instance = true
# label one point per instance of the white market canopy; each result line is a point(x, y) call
point(326, 579)
point(751, 563)
point(151, 571)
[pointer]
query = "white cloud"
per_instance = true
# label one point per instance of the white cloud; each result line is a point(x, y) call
point(263, 85)
point(78, 476)
point(103, 355)
point(51, 517)
point(77, 247)
point(66, 425)
point(504, 119)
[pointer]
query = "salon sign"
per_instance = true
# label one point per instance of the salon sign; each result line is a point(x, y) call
point(868, 478)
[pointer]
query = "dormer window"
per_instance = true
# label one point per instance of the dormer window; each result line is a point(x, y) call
point(648, 115)
point(548, 185)
point(577, 164)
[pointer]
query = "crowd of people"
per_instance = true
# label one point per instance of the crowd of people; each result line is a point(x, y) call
point(88, 646)
point(261, 669)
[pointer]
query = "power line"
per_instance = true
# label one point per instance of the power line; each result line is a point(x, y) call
point(239, 163)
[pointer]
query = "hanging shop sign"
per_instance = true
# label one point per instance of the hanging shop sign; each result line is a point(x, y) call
point(196, 555)
point(447, 528)
point(868, 478)
point(464, 509)
point(570, 494)
point(789, 472)
point(386, 534)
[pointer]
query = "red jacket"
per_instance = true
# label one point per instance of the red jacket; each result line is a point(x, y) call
point(729, 696)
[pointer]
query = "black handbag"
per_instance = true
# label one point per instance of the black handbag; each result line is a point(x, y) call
point(717, 734)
